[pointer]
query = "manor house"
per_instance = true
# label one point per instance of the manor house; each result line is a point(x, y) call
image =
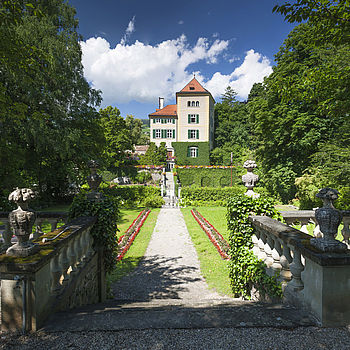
point(187, 127)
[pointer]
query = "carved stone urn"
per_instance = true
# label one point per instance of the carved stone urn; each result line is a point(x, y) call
point(250, 179)
point(94, 181)
point(329, 220)
point(21, 222)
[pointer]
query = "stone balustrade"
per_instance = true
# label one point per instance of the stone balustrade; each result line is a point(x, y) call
point(52, 218)
point(66, 272)
point(306, 217)
point(310, 278)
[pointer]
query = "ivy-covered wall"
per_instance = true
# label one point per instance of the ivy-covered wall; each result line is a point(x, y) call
point(181, 153)
point(201, 177)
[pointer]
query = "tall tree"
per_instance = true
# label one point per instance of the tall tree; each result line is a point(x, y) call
point(49, 126)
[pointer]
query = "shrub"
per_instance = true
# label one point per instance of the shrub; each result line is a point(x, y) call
point(153, 202)
point(105, 229)
point(209, 196)
point(246, 270)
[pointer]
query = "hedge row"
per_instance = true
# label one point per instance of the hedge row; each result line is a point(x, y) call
point(209, 196)
point(202, 177)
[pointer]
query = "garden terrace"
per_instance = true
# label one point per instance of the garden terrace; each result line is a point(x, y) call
point(310, 278)
point(66, 272)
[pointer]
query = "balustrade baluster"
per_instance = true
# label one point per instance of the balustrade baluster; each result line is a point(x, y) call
point(255, 241)
point(296, 268)
point(268, 251)
point(276, 254)
point(285, 260)
point(73, 259)
point(304, 222)
point(56, 274)
point(346, 231)
point(261, 254)
point(78, 252)
point(65, 263)
point(38, 231)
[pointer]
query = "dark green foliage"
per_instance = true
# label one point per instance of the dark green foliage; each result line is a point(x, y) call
point(48, 123)
point(104, 231)
point(135, 195)
point(154, 155)
point(209, 177)
point(246, 270)
point(209, 196)
point(181, 153)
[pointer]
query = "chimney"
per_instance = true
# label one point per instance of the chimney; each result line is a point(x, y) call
point(161, 102)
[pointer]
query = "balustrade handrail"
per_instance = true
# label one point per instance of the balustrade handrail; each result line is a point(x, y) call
point(299, 240)
point(47, 250)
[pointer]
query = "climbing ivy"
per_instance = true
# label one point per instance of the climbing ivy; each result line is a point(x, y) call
point(104, 230)
point(246, 270)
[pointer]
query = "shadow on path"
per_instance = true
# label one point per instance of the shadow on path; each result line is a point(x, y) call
point(156, 277)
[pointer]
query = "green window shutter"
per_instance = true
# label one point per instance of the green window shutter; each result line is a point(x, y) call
point(154, 134)
point(189, 134)
point(174, 121)
point(197, 118)
point(154, 120)
point(188, 152)
point(197, 132)
point(163, 133)
point(173, 133)
point(189, 118)
point(162, 120)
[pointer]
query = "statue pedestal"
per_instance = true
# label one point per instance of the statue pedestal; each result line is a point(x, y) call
point(22, 250)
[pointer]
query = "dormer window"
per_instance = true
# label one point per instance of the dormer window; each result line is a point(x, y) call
point(191, 87)
point(197, 103)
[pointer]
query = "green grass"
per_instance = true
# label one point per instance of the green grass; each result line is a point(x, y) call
point(138, 248)
point(217, 217)
point(214, 269)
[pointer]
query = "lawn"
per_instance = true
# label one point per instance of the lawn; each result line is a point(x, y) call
point(138, 248)
point(213, 268)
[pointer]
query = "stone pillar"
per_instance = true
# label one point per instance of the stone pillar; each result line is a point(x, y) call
point(94, 181)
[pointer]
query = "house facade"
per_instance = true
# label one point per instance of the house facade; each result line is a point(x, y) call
point(187, 128)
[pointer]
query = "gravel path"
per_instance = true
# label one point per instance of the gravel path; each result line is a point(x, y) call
point(170, 271)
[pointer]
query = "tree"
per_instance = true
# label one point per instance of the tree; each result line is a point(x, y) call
point(48, 124)
point(118, 138)
point(136, 133)
point(155, 155)
point(231, 129)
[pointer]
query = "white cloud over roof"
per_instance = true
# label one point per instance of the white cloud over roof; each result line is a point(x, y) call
point(142, 72)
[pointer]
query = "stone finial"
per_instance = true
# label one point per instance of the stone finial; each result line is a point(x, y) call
point(21, 222)
point(94, 181)
point(250, 179)
point(329, 220)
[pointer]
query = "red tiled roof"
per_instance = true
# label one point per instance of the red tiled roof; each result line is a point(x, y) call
point(169, 110)
point(194, 86)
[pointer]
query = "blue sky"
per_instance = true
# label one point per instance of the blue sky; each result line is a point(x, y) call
point(136, 51)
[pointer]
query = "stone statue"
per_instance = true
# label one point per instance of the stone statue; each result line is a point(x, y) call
point(21, 222)
point(329, 220)
point(94, 181)
point(250, 179)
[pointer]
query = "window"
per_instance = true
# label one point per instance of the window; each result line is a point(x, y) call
point(170, 134)
point(188, 103)
point(191, 87)
point(193, 134)
point(197, 103)
point(157, 120)
point(192, 152)
point(193, 103)
point(156, 134)
point(193, 118)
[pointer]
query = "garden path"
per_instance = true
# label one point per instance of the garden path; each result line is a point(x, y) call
point(167, 291)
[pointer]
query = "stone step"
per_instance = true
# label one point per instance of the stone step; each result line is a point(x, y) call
point(172, 314)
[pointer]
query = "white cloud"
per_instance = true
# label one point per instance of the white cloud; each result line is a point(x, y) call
point(129, 30)
point(142, 72)
point(181, 22)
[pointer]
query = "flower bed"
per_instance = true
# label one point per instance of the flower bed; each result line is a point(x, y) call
point(215, 237)
point(126, 240)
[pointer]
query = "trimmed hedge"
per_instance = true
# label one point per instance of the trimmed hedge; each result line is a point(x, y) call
point(134, 195)
point(209, 196)
point(181, 153)
point(212, 177)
